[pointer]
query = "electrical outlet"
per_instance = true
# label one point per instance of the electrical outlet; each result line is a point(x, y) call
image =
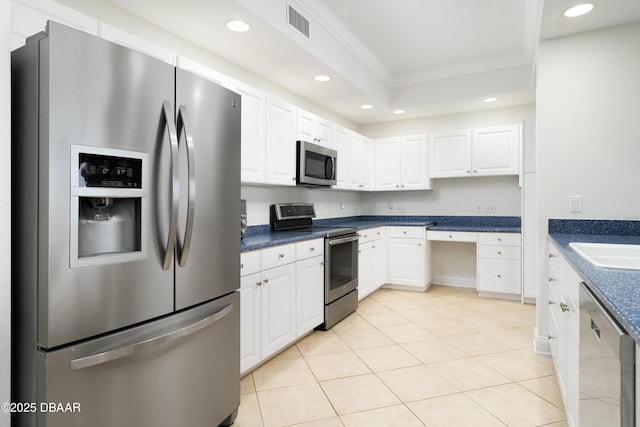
point(392, 206)
point(575, 203)
point(479, 208)
point(490, 208)
point(399, 208)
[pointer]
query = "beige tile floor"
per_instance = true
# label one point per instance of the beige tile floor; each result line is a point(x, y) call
point(445, 357)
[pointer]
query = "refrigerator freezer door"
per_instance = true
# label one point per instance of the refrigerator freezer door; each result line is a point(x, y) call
point(208, 231)
point(96, 94)
point(180, 371)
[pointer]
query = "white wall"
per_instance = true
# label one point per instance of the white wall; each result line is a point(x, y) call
point(328, 203)
point(588, 130)
point(5, 209)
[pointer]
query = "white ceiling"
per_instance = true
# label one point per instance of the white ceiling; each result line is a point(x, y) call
point(427, 57)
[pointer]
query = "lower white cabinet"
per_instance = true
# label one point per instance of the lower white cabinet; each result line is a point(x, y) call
point(309, 294)
point(499, 268)
point(371, 261)
point(408, 258)
point(564, 330)
point(281, 298)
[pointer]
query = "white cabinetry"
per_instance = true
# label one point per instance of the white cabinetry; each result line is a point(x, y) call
point(499, 268)
point(340, 143)
point(281, 298)
point(477, 152)
point(408, 258)
point(360, 162)
point(564, 330)
point(309, 285)
point(371, 261)
point(496, 150)
point(29, 17)
point(253, 132)
point(312, 128)
point(281, 149)
point(402, 164)
point(267, 137)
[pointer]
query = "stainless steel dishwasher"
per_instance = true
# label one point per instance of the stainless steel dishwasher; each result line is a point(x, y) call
point(607, 367)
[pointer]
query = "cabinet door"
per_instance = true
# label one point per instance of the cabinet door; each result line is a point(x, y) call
point(250, 321)
point(306, 126)
point(499, 275)
point(309, 294)
point(366, 284)
point(450, 154)
point(414, 167)
point(31, 17)
point(406, 262)
point(278, 299)
point(253, 138)
point(281, 140)
point(387, 171)
point(495, 150)
point(361, 167)
point(340, 143)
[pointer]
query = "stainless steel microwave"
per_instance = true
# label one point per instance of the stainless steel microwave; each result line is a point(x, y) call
point(316, 165)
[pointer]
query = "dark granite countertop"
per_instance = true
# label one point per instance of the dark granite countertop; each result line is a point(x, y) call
point(618, 290)
point(261, 236)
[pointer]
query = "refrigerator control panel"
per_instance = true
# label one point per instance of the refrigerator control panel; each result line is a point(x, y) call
point(96, 170)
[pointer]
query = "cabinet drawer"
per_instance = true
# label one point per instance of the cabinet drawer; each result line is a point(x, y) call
point(371, 234)
point(249, 262)
point(408, 232)
point(509, 239)
point(278, 255)
point(499, 252)
point(452, 236)
point(502, 276)
point(309, 248)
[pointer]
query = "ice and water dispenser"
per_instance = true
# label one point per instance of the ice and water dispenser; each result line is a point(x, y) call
point(109, 206)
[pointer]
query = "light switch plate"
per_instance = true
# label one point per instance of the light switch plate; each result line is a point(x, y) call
point(575, 203)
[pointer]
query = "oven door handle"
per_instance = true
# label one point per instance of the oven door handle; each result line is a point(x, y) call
point(341, 240)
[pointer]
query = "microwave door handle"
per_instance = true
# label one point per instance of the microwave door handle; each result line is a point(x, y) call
point(185, 245)
point(329, 167)
point(174, 188)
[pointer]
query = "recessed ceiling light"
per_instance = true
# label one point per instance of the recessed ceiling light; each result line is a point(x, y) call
point(400, 111)
point(491, 99)
point(578, 10)
point(238, 25)
point(322, 78)
point(366, 106)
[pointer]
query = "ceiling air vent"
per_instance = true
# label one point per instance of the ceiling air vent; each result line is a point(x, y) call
point(298, 22)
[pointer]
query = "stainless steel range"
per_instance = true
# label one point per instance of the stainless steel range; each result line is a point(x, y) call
point(340, 258)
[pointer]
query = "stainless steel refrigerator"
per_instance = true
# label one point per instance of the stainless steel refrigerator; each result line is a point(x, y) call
point(126, 243)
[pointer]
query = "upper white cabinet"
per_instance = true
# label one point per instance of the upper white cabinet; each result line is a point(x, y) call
point(402, 164)
point(360, 155)
point(281, 140)
point(477, 152)
point(496, 150)
point(312, 128)
point(29, 17)
point(450, 154)
point(253, 130)
point(340, 143)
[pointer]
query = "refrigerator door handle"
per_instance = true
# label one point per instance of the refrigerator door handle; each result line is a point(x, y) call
point(165, 338)
point(185, 245)
point(173, 191)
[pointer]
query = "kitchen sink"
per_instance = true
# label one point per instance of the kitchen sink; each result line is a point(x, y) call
point(609, 255)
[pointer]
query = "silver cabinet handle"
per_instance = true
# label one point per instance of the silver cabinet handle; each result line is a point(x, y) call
point(265, 281)
point(551, 280)
point(551, 337)
point(280, 256)
point(259, 283)
point(550, 302)
point(564, 307)
point(499, 252)
point(552, 256)
point(173, 189)
point(241, 266)
point(499, 276)
point(185, 245)
point(311, 249)
point(129, 349)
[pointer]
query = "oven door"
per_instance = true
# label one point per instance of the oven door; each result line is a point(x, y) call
point(341, 266)
point(316, 165)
